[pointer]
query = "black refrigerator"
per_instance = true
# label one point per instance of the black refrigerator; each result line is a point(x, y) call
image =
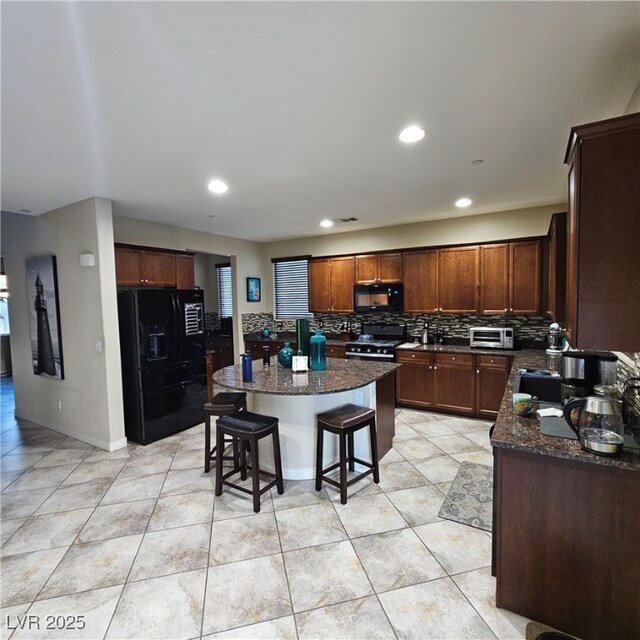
point(162, 343)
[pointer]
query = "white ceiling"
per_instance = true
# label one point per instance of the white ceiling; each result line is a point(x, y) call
point(297, 105)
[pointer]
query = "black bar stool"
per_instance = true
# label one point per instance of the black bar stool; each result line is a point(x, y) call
point(345, 421)
point(247, 428)
point(222, 404)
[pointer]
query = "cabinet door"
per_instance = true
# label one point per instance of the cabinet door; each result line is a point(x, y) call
point(414, 381)
point(420, 278)
point(454, 383)
point(557, 267)
point(526, 265)
point(342, 281)
point(319, 285)
point(128, 267)
point(491, 380)
point(458, 274)
point(494, 278)
point(367, 268)
point(185, 278)
point(159, 268)
point(389, 267)
point(335, 351)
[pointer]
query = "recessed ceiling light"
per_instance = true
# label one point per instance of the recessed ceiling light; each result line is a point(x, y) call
point(326, 223)
point(463, 202)
point(411, 134)
point(217, 186)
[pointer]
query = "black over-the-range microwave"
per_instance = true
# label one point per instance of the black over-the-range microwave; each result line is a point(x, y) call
point(377, 297)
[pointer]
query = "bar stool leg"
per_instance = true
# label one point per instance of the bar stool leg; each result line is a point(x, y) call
point(277, 462)
point(207, 442)
point(343, 468)
point(374, 450)
point(219, 454)
point(255, 473)
point(243, 458)
point(352, 466)
point(319, 444)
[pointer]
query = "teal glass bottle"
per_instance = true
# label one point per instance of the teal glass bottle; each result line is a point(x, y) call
point(285, 355)
point(318, 352)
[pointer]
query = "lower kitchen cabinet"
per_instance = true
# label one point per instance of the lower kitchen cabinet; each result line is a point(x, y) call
point(460, 383)
point(414, 379)
point(492, 373)
point(335, 351)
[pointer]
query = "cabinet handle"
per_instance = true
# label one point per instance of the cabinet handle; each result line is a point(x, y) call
point(492, 362)
point(505, 309)
point(430, 367)
point(413, 355)
point(453, 357)
point(434, 368)
point(477, 370)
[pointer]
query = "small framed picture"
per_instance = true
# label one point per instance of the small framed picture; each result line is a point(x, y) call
point(253, 289)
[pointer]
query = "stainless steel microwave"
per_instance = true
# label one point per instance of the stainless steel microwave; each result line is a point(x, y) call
point(491, 337)
point(377, 297)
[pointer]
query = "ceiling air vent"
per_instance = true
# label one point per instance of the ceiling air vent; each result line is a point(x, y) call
point(343, 220)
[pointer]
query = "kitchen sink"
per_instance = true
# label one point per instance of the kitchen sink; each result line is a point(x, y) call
point(540, 383)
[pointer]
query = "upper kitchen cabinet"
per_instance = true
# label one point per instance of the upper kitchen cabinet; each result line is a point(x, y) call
point(458, 274)
point(375, 268)
point(557, 267)
point(603, 243)
point(140, 267)
point(420, 278)
point(510, 277)
point(331, 283)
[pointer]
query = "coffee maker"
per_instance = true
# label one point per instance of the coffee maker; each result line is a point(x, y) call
point(582, 370)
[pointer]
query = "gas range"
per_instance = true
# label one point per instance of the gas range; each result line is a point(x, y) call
point(377, 342)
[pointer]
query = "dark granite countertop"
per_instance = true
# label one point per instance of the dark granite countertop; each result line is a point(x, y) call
point(457, 348)
point(340, 375)
point(513, 432)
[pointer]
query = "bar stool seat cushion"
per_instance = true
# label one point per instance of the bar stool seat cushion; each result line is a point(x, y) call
point(248, 421)
point(346, 416)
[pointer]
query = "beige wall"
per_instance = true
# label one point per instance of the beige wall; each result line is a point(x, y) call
point(634, 102)
point(91, 391)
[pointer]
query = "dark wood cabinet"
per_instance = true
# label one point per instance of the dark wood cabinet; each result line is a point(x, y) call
point(454, 383)
point(414, 379)
point(378, 268)
point(492, 373)
point(557, 267)
point(510, 277)
point(335, 351)
point(254, 347)
point(458, 275)
point(603, 260)
point(420, 278)
point(331, 283)
point(143, 267)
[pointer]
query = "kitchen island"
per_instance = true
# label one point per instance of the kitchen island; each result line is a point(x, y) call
point(566, 527)
point(296, 398)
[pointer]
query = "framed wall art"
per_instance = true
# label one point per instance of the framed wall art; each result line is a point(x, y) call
point(253, 289)
point(44, 317)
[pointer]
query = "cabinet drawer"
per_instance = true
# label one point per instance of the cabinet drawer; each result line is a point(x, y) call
point(335, 351)
point(417, 357)
point(462, 359)
point(497, 362)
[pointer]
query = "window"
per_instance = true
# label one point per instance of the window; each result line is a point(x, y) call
point(225, 296)
point(291, 288)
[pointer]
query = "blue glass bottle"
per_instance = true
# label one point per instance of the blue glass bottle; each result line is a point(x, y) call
point(318, 352)
point(285, 356)
point(247, 367)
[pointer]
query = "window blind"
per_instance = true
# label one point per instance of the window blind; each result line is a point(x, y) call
point(225, 296)
point(291, 289)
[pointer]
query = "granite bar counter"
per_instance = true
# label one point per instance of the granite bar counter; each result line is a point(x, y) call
point(296, 398)
point(566, 522)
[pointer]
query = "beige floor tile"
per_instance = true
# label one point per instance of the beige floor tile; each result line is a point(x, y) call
point(353, 620)
point(396, 559)
point(9, 527)
point(47, 532)
point(463, 425)
point(298, 493)
point(172, 608)
point(166, 447)
point(188, 459)
point(390, 457)
point(91, 610)
point(402, 432)
point(95, 471)
point(419, 505)
point(438, 469)
point(235, 504)
point(115, 520)
point(480, 589)
point(11, 617)
point(7, 478)
point(188, 481)
point(42, 478)
point(417, 448)
point(182, 510)
point(22, 504)
point(455, 443)
point(280, 628)
point(234, 589)
point(309, 526)
point(237, 539)
point(19, 462)
point(432, 428)
point(74, 496)
point(481, 457)
point(92, 565)
point(60, 457)
point(481, 437)
point(433, 609)
point(400, 475)
point(24, 575)
point(367, 515)
point(457, 547)
point(145, 466)
point(132, 489)
point(172, 551)
point(364, 487)
point(324, 575)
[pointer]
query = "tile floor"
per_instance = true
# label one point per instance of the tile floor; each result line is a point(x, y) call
point(134, 544)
